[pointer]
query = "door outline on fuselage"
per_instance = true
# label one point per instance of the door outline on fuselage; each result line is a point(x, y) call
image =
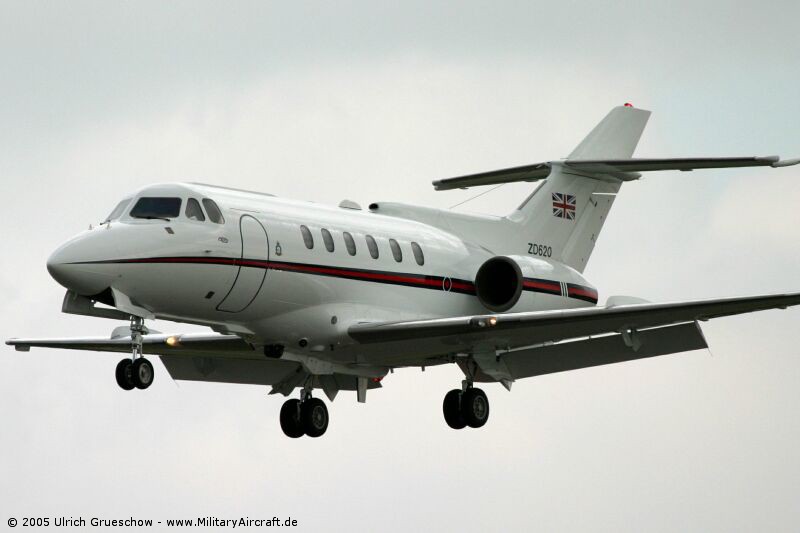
point(251, 230)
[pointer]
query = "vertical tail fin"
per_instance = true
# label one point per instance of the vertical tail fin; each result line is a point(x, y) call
point(567, 212)
point(615, 137)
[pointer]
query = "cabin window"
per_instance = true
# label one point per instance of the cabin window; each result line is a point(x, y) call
point(308, 239)
point(214, 214)
point(396, 251)
point(117, 212)
point(151, 207)
point(418, 255)
point(194, 211)
point(327, 239)
point(372, 246)
point(349, 243)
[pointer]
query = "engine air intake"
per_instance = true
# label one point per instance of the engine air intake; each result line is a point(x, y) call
point(498, 283)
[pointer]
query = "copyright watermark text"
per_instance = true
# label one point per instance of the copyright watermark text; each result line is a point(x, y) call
point(206, 521)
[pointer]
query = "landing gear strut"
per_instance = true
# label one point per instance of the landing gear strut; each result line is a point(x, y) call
point(307, 416)
point(467, 407)
point(136, 371)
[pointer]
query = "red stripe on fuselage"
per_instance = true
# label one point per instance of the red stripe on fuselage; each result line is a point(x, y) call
point(583, 292)
point(418, 280)
point(545, 285)
point(378, 276)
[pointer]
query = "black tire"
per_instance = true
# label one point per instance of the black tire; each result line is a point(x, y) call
point(314, 415)
point(475, 407)
point(143, 373)
point(124, 374)
point(290, 419)
point(452, 410)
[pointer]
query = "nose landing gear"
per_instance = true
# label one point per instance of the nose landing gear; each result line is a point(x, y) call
point(307, 416)
point(135, 372)
point(467, 407)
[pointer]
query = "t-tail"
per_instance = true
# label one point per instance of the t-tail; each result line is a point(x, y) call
point(567, 212)
point(563, 217)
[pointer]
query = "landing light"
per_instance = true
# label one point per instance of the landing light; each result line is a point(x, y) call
point(173, 341)
point(484, 322)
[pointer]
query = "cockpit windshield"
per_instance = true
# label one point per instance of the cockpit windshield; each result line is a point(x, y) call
point(152, 207)
point(117, 212)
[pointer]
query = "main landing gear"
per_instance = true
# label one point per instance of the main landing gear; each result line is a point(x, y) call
point(466, 407)
point(306, 416)
point(135, 372)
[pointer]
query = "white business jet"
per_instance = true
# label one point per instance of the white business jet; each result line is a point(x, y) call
point(303, 296)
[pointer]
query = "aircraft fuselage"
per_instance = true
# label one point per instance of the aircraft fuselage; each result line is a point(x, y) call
point(256, 275)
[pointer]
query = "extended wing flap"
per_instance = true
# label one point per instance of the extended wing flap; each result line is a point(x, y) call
point(604, 350)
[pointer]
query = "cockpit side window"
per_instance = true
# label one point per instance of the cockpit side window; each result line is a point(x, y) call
point(117, 212)
point(194, 211)
point(214, 213)
point(156, 207)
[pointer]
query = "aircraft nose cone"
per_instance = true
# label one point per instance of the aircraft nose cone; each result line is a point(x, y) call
point(56, 266)
point(64, 266)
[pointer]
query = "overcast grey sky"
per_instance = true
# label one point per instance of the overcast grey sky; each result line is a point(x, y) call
point(356, 100)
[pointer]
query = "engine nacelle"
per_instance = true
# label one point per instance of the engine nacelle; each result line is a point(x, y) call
point(502, 281)
point(498, 283)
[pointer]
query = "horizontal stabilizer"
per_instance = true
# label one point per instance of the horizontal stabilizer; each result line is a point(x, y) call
point(605, 166)
point(622, 169)
point(533, 172)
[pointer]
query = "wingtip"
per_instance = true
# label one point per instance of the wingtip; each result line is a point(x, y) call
point(786, 162)
point(18, 345)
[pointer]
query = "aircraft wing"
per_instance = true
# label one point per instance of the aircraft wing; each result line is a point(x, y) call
point(630, 331)
point(160, 344)
point(210, 357)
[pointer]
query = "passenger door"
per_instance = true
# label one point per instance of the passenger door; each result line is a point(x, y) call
point(252, 266)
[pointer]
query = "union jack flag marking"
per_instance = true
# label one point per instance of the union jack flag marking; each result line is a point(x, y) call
point(564, 206)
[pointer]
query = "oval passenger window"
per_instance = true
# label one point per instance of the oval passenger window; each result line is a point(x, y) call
point(372, 246)
point(418, 256)
point(349, 243)
point(327, 239)
point(308, 239)
point(396, 251)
